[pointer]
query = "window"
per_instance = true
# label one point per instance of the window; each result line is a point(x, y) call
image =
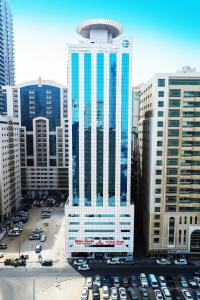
point(171, 231)
point(190, 220)
point(172, 171)
point(173, 142)
point(156, 240)
point(157, 209)
point(185, 81)
point(159, 143)
point(185, 220)
point(160, 93)
point(172, 161)
point(173, 123)
point(171, 180)
point(180, 220)
point(171, 199)
point(184, 237)
point(175, 93)
point(172, 152)
point(160, 124)
point(156, 232)
point(159, 162)
point(161, 82)
point(158, 191)
point(195, 220)
point(158, 172)
point(160, 113)
point(158, 181)
point(159, 153)
point(160, 104)
point(173, 132)
point(157, 200)
point(179, 237)
point(174, 103)
point(157, 217)
point(171, 190)
point(160, 133)
point(174, 113)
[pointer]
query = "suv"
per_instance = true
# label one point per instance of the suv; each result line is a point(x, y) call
point(95, 292)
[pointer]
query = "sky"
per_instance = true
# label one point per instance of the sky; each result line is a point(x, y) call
point(165, 33)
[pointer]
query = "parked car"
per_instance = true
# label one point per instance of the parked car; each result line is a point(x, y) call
point(38, 230)
point(186, 294)
point(38, 248)
point(84, 267)
point(144, 293)
point(107, 280)
point(162, 281)
point(166, 293)
point(133, 280)
point(46, 216)
point(1, 255)
point(97, 280)
point(125, 281)
point(13, 233)
point(116, 281)
point(84, 293)
point(122, 293)
point(113, 261)
point(95, 292)
point(192, 283)
point(47, 209)
point(176, 295)
point(105, 292)
point(80, 262)
point(163, 261)
point(153, 281)
point(181, 261)
point(183, 282)
point(47, 262)
point(170, 281)
point(89, 282)
point(34, 237)
point(114, 293)
point(132, 293)
point(3, 246)
point(197, 280)
point(7, 262)
point(158, 294)
point(43, 238)
point(143, 280)
point(197, 295)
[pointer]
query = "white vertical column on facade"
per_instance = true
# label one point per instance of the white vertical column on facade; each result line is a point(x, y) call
point(106, 131)
point(118, 130)
point(93, 129)
point(129, 128)
point(70, 129)
point(81, 131)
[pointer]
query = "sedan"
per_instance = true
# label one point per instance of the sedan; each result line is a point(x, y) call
point(80, 262)
point(144, 293)
point(89, 282)
point(183, 282)
point(186, 294)
point(132, 293)
point(84, 293)
point(116, 281)
point(197, 295)
point(192, 283)
point(163, 261)
point(83, 268)
point(3, 246)
point(180, 261)
point(158, 295)
point(122, 293)
point(114, 293)
point(43, 238)
point(97, 280)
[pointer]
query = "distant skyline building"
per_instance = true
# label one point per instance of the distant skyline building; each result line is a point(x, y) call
point(10, 179)
point(7, 64)
point(99, 216)
point(41, 107)
point(169, 144)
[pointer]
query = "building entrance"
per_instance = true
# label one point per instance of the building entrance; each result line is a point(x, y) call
point(195, 241)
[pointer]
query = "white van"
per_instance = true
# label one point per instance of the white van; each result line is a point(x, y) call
point(166, 293)
point(153, 281)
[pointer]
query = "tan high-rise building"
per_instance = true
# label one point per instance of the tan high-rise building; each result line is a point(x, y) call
point(169, 143)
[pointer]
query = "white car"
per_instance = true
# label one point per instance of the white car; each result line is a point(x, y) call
point(143, 279)
point(105, 292)
point(183, 282)
point(1, 255)
point(113, 261)
point(89, 282)
point(192, 283)
point(158, 295)
point(83, 267)
point(114, 294)
point(122, 293)
point(162, 281)
point(43, 238)
point(163, 261)
point(84, 293)
point(180, 261)
point(186, 294)
point(80, 262)
point(116, 282)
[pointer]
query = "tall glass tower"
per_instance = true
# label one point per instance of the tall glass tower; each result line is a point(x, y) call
point(99, 216)
point(7, 69)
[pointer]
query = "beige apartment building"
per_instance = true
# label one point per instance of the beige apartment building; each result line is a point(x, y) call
point(169, 146)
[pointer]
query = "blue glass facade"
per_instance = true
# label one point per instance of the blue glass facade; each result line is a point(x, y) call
point(100, 124)
point(75, 127)
point(35, 103)
point(87, 126)
point(112, 126)
point(124, 128)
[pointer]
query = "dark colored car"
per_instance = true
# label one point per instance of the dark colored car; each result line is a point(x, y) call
point(144, 293)
point(107, 281)
point(95, 292)
point(3, 246)
point(125, 281)
point(175, 295)
point(170, 281)
point(134, 282)
point(47, 263)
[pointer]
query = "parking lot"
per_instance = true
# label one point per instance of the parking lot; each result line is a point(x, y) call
point(52, 248)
